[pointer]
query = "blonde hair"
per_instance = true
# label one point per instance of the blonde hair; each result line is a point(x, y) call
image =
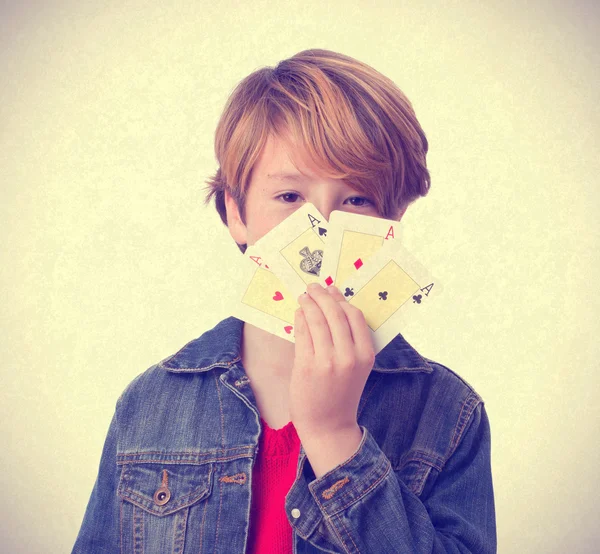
point(354, 123)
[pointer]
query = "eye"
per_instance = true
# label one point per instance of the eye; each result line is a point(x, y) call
point(362, 201)
point(365, 201)
point(287, 194)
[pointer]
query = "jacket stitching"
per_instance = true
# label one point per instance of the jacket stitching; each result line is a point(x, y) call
point(183, 462)
point(429, 460)
point(222, 421)
point(203, 526)
point(466, 412)
point(238, 479)
point(175, 453)
point(339, 520)
point(192, 459)
point(366, 398)
point(121, 526)
point(195, 369)
point(180, 529)
point(357, 487)
point(330, 492)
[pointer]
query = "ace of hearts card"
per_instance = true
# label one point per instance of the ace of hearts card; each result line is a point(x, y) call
point(262, 299)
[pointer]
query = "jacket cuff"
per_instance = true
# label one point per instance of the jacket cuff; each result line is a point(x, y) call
point(309, 500)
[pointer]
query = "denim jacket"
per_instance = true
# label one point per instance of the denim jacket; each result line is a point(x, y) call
point(176, 468)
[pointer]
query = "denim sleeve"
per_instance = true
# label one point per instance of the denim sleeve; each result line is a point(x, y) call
point(361, 506)
point(99, 532)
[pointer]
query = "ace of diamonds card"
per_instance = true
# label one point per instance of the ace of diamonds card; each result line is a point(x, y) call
point(353, 239)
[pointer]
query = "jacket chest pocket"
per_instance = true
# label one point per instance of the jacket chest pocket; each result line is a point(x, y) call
point(162, 506)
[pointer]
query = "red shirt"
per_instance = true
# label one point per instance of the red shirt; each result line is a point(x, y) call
point(273, 474)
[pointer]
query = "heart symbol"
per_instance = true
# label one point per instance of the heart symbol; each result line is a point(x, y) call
point(288, 329)
point(278, 296)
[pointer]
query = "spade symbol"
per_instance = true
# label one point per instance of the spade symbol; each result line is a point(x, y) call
point(383, 295)
point(322, 231)
point(417, 298)
point(349, 292)
point(311, 261)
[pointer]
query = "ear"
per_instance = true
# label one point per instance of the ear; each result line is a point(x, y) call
point(236, 226)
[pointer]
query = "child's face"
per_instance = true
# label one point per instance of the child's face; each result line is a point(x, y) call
point(271, 199)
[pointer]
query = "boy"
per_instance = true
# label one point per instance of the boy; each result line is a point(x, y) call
point(245, 442)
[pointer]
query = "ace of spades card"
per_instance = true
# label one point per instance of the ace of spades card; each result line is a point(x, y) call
point(294, 249)
point(262, 299)
point(391, 286)
point(353, 238)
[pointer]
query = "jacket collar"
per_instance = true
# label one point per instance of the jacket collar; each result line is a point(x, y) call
point(220, 347)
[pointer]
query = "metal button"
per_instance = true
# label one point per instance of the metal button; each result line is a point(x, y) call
point(161, 496)
point(295, 513)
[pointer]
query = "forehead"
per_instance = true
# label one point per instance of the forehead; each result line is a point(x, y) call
point(281, 160)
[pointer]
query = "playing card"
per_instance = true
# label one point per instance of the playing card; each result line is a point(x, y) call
point(294, 249)
point(389, 288)
point(262, 299)
point(352, 239)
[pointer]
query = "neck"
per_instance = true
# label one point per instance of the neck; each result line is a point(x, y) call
point(271, 354)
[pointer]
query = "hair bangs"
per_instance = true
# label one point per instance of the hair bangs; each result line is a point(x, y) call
point(340, 115)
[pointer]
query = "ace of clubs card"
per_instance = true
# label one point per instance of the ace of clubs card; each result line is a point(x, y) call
point(353, 239)
point(262, 299)
point(294, 249)
point(391, 287)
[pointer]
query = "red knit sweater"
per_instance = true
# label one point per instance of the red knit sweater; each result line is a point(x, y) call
point(272, 477)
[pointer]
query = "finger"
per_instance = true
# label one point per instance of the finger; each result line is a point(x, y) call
point(339, 329)
point(304, 347)
point(318, 328)
point(361, 333)
point(335, 293)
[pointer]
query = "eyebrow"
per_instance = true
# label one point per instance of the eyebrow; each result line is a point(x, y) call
point(286, 176)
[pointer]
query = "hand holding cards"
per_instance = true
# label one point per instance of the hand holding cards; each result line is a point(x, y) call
point(362, 256)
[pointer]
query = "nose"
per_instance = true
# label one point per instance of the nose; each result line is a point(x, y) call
point(327, 195)
point(325, 207)
point(326, 213)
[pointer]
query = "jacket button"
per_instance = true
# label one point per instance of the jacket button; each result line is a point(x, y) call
point(161, 496)
point(295, 513)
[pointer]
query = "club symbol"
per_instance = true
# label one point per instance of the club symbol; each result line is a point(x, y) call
point(311, 263)
point(383, 295)
point(349, 292)
point(417, 298)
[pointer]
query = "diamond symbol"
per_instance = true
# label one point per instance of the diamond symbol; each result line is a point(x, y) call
point(358, 263)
